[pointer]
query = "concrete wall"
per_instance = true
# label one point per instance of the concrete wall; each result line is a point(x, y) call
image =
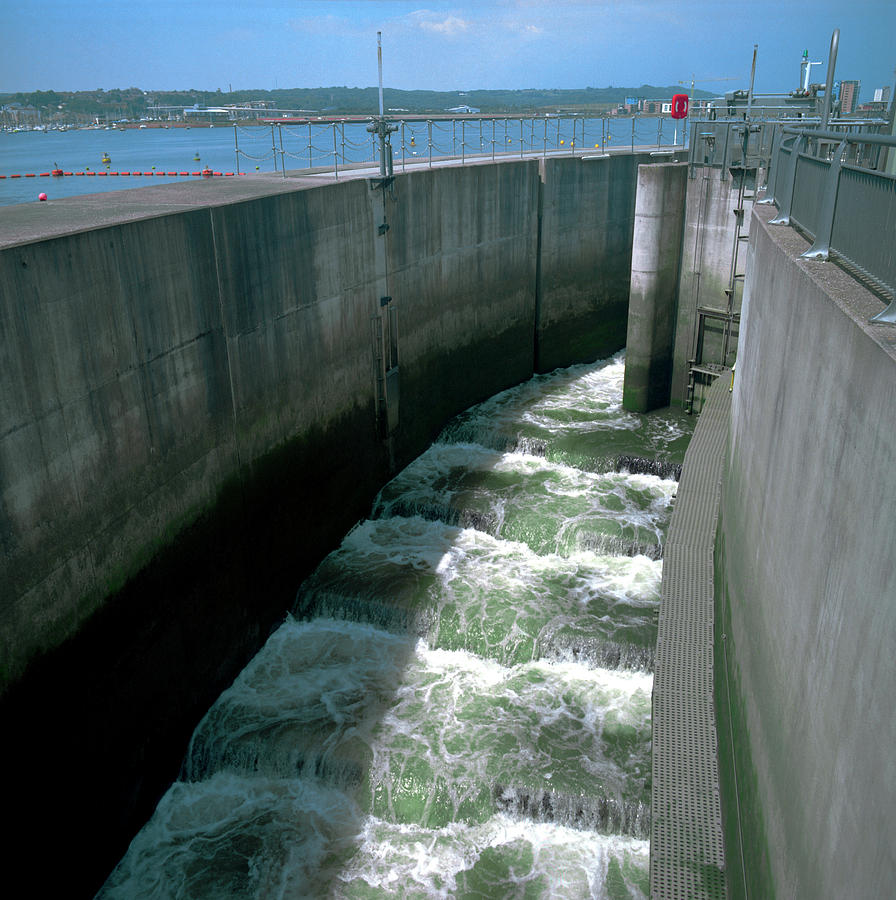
point(461, 256)
point(194, 400)
point(706, 258)
point(588, 214)
point(656, 254)
point(806, 583)
point(152, 362)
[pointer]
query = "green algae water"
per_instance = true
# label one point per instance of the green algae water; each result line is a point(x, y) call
point(458, 705)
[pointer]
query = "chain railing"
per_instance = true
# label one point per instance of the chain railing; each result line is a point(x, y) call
point(337, 144)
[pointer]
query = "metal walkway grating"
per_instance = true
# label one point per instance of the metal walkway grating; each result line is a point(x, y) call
point(687, 856)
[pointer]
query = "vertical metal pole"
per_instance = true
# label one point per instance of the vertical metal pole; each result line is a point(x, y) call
point(379, 65)
point(750, 93)
point(463, 140)
point(633, 134)
point(282, 152)
point(521, 139)
point(274, 147)
point(429, 139)
point(335, 153)
point(236, 148)
point(382, 122)
point(493, 140)
point(544, 151)
point(829, 84)
point(310, 145)
point(402, 147)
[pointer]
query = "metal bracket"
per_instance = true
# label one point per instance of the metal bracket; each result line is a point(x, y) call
point(886, 316)
point(821, 249)
point(783, 217)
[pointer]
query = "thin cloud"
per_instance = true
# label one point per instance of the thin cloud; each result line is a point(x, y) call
point(449, 26)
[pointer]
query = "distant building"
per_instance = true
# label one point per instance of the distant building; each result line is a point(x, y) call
point(849, 97)
point(876, 108)
point(882, 95)
point(463, 110)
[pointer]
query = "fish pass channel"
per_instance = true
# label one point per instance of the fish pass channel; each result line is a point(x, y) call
point(459, 703)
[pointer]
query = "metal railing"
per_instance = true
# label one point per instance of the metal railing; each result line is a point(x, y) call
point(720, 143)
point(831, 186)
point(337, 144)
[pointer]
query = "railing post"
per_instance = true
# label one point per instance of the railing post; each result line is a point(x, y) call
point(821, 248)
point(335, 153)
point(723, 175)
point(403, 150)
point(786, 195)
point(775, 161)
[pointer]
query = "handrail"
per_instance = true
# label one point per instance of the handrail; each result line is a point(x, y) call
point(847, 206)
point(864, 137)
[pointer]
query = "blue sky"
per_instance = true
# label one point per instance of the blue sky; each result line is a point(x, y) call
point(430, 44)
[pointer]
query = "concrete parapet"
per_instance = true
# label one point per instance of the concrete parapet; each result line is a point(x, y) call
point(656, 252)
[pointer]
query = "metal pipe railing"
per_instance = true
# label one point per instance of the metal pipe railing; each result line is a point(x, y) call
point(847, 206)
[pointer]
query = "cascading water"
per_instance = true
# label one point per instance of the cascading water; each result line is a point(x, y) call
point(459, 703)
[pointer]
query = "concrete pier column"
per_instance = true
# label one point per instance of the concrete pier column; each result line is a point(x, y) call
point(656, 251)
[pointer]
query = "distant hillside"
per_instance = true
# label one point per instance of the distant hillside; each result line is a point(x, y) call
point(134, 103)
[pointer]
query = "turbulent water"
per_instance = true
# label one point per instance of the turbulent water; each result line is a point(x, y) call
point(458, 706)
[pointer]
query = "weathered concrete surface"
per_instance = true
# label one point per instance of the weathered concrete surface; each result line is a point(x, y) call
point(461, 260)
point(188, 399)
point(656, 252)
point(148, 362)
point(706, 258)
point(588, 213)
point(807, 589)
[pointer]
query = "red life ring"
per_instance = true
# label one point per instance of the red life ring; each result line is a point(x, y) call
point(680, 106)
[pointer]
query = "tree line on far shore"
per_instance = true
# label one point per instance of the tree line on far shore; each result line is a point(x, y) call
point(136, 103)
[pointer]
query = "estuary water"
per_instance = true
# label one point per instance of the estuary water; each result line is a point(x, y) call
point(458, 705)
point(165, 155)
